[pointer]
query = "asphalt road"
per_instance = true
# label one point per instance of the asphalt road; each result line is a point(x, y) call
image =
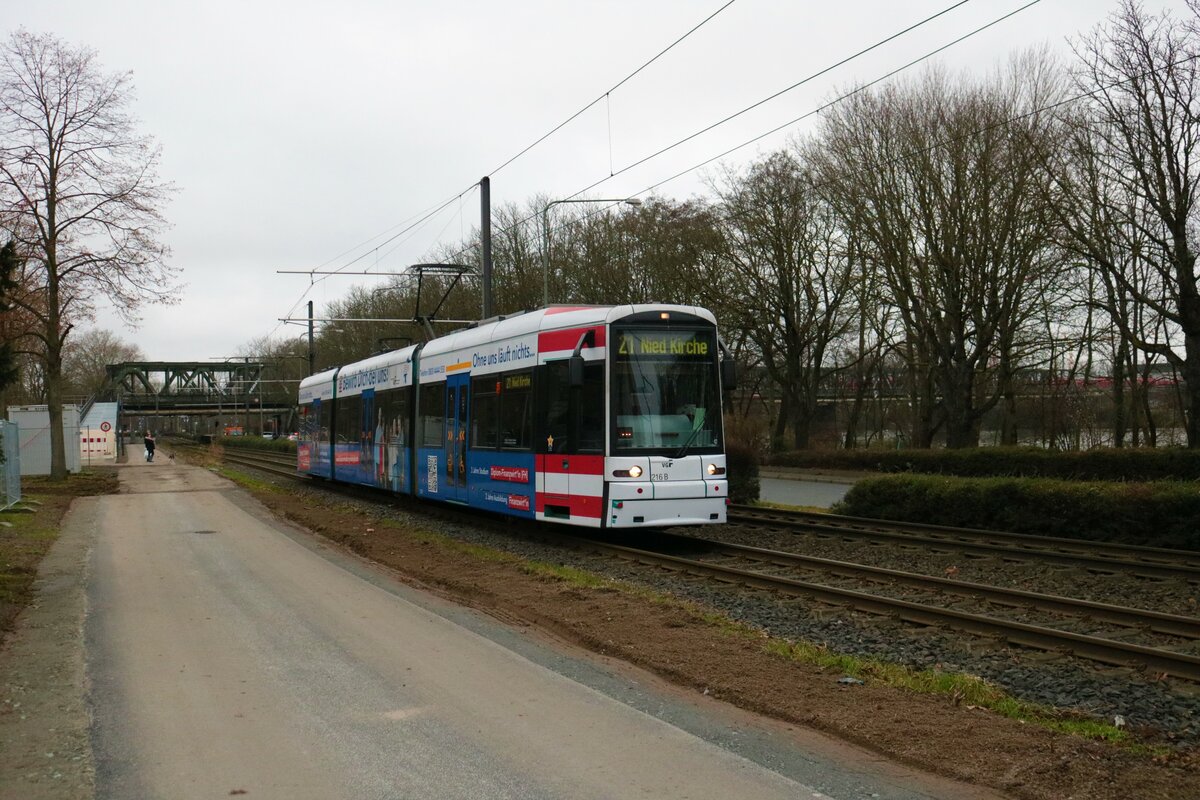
point(228, 654)
point(795, 492)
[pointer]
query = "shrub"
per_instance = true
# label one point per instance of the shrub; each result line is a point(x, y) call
point(1164, 514)
point(1102, 464)
point(257, 443)
point(742, 465)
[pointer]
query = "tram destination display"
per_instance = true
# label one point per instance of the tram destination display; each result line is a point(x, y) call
point(673, 344)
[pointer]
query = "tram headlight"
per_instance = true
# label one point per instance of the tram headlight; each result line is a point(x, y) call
point(635, 471)
point(713, 469)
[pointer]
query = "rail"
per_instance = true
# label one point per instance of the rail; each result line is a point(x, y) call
point(1098, 556)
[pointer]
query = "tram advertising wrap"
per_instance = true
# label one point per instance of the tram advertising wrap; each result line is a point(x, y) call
point(596, 416)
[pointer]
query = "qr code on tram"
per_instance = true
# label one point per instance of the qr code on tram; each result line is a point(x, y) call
point(431, 474)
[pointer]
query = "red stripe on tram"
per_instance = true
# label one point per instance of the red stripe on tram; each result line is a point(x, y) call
point(566, 339)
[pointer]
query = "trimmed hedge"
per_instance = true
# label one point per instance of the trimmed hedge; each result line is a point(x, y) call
point(1107, 464)
point(257, 443)
point(1163, 514)
point(741, 464)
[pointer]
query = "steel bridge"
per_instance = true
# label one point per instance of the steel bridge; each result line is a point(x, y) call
point(234, 391)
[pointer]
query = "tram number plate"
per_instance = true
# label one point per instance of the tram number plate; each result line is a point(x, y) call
point(659, 476)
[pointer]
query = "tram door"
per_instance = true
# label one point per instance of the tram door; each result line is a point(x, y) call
point(455, 475)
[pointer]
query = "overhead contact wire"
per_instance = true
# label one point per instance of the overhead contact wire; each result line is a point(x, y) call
point(616, 86)
point(793, 86)
point(780, 93)
point(847, 96)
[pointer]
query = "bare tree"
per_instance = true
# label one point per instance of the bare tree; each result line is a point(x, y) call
point(939, 182)
point(86, 355)
point(1132, 181)
point(796, 279)
point(874, 334)
point(516, 257)
point(81, 187)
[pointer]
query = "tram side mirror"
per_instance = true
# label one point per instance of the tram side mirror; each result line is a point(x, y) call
point(728, 374)
point(575, 371)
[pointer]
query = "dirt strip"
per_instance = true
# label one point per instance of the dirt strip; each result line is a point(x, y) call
point(927, 731)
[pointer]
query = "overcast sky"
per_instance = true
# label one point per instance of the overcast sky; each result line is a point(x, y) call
point(296, 131)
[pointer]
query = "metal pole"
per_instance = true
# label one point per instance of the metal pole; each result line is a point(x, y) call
point(546, 256)
point(246, 377)
point(485, 235)
point(312, 354)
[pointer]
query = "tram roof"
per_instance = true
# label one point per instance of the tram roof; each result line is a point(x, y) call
point(542, 319)
point(552, 318)
point(390, 358)
point(318, 378)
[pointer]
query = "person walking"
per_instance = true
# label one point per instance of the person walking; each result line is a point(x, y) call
point(149, 446)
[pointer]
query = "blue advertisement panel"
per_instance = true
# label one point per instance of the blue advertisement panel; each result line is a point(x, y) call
point(313, 452)
point(372, 446)
point(502, 482)
point(457, 419)
point(395, 456)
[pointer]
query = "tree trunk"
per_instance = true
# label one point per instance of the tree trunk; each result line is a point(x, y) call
point(54, 396)
point(921, 404)
point(777, 437)
point(961, 430)
point(54, 402)
point(1008, 420)
point(1148, 413)
point(802, 416)
point(962, 424)
point(1191, 376)
point(1120, 418)
point(850, 441)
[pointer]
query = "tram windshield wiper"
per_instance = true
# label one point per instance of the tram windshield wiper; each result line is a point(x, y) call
point(683, 450)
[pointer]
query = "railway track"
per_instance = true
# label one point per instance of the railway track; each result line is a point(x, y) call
point(1183, 632)
point(1106, 557)
point(1094, 631)
point(268, 462)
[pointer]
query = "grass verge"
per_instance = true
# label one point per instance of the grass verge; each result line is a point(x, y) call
point(29, 534)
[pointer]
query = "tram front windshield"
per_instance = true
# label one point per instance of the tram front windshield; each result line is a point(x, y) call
point(666, 396)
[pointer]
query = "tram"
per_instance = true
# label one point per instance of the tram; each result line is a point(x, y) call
point(600, 416)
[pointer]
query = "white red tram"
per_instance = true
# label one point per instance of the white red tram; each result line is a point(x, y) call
point(595, 416)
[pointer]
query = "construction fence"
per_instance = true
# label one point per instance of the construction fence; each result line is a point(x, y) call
point(10, 445)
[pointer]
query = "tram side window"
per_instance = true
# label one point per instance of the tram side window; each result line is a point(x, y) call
point(591, 410)
point(349, 420)
point(433, 414)
point(324, 422)
point(555, 408)
point(485, 408)
point(516, 411)
point(306, 423)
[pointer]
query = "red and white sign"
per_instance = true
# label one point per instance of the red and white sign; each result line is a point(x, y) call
point(106, 426)
point(512, 474)
point(518, 502)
